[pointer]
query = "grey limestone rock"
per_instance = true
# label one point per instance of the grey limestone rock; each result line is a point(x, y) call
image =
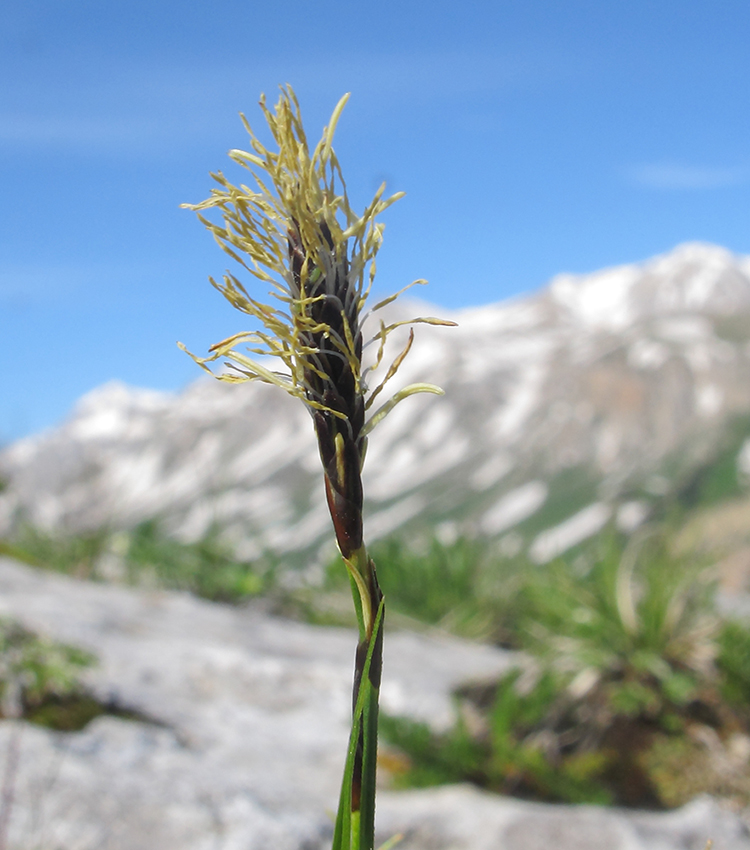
point(247, 726)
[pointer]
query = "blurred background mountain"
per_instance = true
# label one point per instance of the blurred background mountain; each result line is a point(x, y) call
point(603, 400)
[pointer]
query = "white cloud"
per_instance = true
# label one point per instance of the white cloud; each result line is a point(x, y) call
point(667, 175)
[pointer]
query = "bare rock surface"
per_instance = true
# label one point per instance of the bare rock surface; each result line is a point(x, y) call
point(464, 818)
point(248, 726)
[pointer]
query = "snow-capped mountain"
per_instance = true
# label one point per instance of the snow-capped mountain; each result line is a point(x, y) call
point(582, 403)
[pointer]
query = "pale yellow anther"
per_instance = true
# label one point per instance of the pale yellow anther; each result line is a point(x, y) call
point(340, 462)
point(299, 190)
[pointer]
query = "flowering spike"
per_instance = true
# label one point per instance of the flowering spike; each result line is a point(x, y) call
point(297, 232)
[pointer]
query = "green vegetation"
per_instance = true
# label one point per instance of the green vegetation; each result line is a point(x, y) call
point(73, 711)
point(569, 491)
point(40, 679)
point(432, 760)
point(72, 554)
point(441, 586)
point(506, 753)
point(458, 587)
point(734, 662)
point(718, 479)
point(637, 693)
point(145, 556)
point(206, 568)
point(632, 671)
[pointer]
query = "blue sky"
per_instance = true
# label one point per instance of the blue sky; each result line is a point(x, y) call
point(531, 138)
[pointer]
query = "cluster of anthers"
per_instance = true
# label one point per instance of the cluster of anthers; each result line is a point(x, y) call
point(296, 231)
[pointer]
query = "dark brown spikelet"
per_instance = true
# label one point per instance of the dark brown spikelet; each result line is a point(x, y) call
point(331, 381)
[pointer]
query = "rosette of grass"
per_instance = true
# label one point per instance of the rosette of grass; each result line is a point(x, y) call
point(296, 231)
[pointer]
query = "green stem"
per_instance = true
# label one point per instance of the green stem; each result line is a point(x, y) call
point(369, 740)
point(355, 821)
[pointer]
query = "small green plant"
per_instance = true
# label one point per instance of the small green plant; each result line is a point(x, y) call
point(296, 232)
point(41, 682)
point(640, 624)
point(514, 752)
point(34, 669)
point(629, 660)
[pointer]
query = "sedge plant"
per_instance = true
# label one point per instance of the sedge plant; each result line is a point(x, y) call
point(295, 231)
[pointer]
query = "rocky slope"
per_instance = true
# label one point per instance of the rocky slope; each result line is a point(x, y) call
point(586, 402)
point(242, 738)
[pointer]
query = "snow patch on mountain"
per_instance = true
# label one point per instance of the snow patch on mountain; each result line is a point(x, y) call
point(600, 301)
point(514, 507)
point(582, 525)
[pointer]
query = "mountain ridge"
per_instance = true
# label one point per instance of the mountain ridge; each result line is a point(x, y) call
point(583, 403)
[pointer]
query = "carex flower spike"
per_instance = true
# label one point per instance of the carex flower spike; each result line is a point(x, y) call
point(296, 231)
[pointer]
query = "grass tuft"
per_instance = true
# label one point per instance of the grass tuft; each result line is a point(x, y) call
point(145, 556)
point(633, 672)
